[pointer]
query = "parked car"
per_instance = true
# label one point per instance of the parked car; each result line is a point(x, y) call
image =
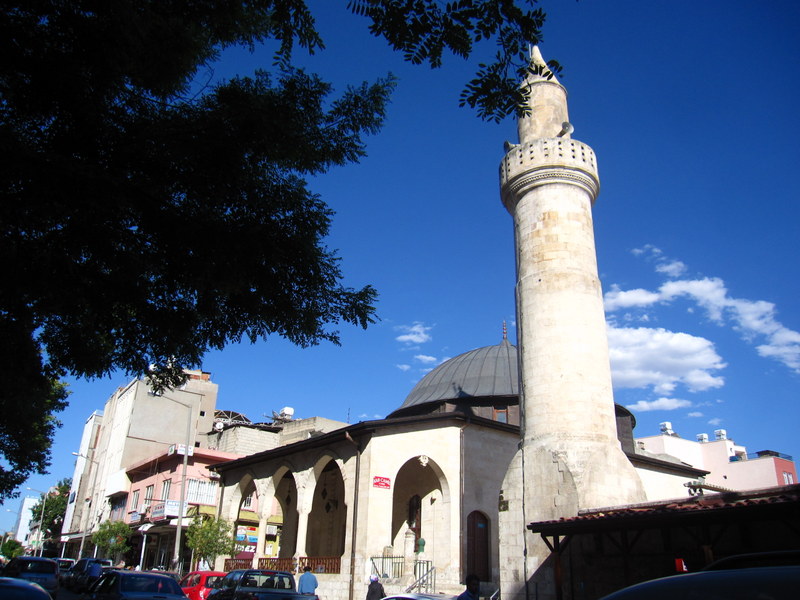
point(776, 558)
point(64, 565)
point(197, 585)
point(420, 597)
point(257, 584)
point(775, 583)
point(133, 585)
point(20, 589)
point(79, 579)
point(36, 569)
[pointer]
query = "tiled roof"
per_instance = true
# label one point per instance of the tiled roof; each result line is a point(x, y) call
point(750, 505)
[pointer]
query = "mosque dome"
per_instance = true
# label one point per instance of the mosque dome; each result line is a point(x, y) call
point(484, 377)
point(488, 372)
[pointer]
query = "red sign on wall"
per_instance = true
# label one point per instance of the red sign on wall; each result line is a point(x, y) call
point(382, 482)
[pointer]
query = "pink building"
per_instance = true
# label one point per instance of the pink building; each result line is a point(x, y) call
point(152, 505)
point(729, 464)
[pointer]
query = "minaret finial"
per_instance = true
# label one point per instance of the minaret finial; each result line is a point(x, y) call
point(505, 331)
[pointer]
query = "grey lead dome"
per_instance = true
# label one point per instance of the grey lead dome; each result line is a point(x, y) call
point(484, 372)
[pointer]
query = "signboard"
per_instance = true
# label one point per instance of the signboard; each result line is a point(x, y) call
point(165, 510)
point(134, 517)
point(246, 533)
point(179, 449)
point(246, 538)
point(382, 482)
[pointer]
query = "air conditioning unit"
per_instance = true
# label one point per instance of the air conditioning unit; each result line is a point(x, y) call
point(702, 438)
point(720, 434)
point(666, 428)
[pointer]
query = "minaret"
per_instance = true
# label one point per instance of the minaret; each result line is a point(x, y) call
point(570, 456)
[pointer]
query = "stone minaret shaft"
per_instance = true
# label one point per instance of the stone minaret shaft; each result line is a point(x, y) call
point(549, 182)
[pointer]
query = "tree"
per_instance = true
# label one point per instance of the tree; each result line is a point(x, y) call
point(55, 505)
point(112, 538)
point(209, 538)
point(12, 548)
point(141, 226)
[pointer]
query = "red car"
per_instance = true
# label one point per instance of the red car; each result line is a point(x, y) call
point(197, 585)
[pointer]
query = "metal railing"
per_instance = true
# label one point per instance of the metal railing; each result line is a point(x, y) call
point(426, 582)
point(321, 564)
point(237, 563)
point(387, 567)
point(273, 563)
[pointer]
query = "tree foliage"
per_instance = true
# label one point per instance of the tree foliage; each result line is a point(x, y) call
point(142, 224)
point(424, 29)
point(112, 538)
point(12, 548)
point(209, 538)
point(55, 505)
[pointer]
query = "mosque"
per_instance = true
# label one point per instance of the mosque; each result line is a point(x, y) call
point(495, 449)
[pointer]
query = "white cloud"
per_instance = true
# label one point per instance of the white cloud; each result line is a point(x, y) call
point(403, 367)
point(672, 268)
point(755, 320)
point(715, 421)
point(616, 298)
point(424, 358)
point(695, 414)
point(416, 333)
point(644, 357)
point(660, 404)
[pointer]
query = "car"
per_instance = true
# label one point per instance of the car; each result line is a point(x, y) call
point(36, 569)
point(197, 585)
point(411, 596)
point(134, 585)
point(775, 558)
point(64, 565)
point(257, 584)
point(173, 574)
point(20, 589)
point(775, 583)
point(78, 578)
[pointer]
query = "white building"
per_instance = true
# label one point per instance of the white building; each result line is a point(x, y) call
point(728, 463)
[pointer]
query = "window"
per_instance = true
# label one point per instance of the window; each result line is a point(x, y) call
point(148, 494)
point(788, 478)
point(201, 492)
point(165, 487)
point(134, 505)
point(118, 508)
point(248, 501)
point(501, 414)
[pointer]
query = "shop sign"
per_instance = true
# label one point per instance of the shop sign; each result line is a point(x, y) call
point(384, 483)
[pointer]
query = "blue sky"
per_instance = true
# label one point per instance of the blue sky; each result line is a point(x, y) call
point(692, 110)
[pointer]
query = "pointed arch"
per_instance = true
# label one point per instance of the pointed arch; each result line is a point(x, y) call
point(327, 519)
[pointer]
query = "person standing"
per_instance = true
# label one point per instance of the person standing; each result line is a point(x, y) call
point(307, 584)
point(472, 592)
point(375, 589)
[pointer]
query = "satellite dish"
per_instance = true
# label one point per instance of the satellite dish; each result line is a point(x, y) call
point(219, 426)
point(566, 129)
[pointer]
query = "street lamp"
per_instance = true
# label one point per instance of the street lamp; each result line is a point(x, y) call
point(85, 511)
point(179, 528)
point(41, 518)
